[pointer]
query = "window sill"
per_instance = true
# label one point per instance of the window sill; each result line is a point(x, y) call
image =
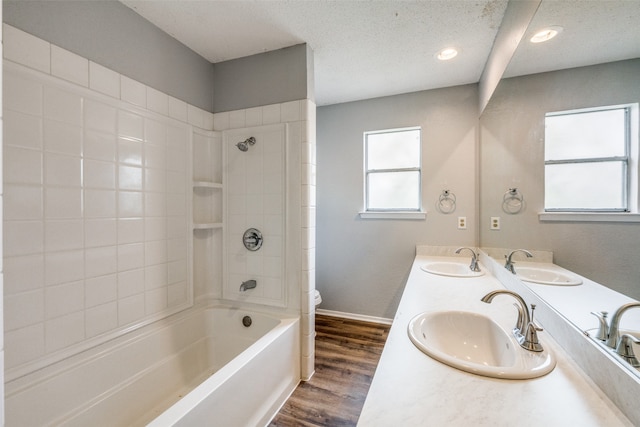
point(393, 215)
point(588, 217)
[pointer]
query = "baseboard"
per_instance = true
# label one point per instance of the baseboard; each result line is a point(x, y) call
point(353, 316)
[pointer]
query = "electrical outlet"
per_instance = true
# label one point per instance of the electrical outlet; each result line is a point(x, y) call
point(495, 223)
point(462, 223)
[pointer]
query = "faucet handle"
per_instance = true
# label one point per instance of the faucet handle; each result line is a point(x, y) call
point(625, 349)
point(531, 341)
point(603, 327)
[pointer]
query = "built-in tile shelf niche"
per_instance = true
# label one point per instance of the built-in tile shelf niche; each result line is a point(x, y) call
point(207, 180)
point(207, 213)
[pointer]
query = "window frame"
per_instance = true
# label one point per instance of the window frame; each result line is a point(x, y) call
point(629, 177)
point(369, 212)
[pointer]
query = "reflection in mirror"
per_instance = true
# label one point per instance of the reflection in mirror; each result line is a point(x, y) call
point(593, 62)
point(512, 137)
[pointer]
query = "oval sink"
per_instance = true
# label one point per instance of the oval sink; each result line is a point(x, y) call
point(474, 343)
point(544, 276)
point(451, 269)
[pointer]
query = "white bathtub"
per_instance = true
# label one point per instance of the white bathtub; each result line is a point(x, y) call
point(202, 367)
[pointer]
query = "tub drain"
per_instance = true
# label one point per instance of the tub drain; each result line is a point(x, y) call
point(246, 321)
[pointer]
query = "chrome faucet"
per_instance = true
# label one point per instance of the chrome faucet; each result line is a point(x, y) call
point(509, 264)
point(614, 334)
point(249, 284)
point(525, 331)
point(474, 259)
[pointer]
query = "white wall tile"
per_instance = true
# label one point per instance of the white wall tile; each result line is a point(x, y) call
point(63, 106)
point(101, 290)
point(130, 152)
point(130, 282)
point(104, 80)
point(100, 146)
point(98, 116)
point(22, 94)
point(155, 252)
point(99, 204)
point(23, 273)
point(23, 309)
point(155, 300)
point(178, 109)
point(64, 331)
point(22, 202)
point(22, 166)
point(62, 170)
point(157, 101)
point(64, 299)
point(133, 91)
point(130, 256)
point(155, 276)
point(102, 318)
point(23, 238)
point(62, 203)
point(22, 130)
point(290, 111)
point(130, 309)
point(271, 114)
point(99, 174)
point(155, 133)
point(69, 66)
point(129, 178)
point(195, 116)
point(100, 261)
point(61, 267)
point(26, 49)
point(63, 235)
point(130, 126)
point(24, 345)
point(100, 232)
point(253, 116)
point(62, 138)
point(176, 294)
point(237, 119)
point(221, 121)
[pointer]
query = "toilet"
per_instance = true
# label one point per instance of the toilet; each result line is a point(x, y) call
point(317, 298)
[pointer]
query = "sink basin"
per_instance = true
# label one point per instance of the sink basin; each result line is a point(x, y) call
point(544, 276)
point(450, 268)
point(474, 343)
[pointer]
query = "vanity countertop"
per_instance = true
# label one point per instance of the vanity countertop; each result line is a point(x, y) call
point(411, 389)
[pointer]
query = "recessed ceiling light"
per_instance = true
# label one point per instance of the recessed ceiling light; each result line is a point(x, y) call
point(447, 53)
point(546, 34)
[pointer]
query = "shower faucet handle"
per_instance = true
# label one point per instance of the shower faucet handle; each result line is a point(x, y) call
point(252, 239)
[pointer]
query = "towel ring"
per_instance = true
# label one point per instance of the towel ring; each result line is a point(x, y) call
point(446, 202)
point(512, 201)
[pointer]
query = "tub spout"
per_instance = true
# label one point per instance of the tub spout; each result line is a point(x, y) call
point(249, 284)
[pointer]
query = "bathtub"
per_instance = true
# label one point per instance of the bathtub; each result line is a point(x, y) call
point(200, 367)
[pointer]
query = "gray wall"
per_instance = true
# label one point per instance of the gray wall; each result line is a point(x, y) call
point(512, 154)
point(362, 264)
point(112, 35)
point(267, 78)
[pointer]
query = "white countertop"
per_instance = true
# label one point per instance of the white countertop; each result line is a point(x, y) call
point(411, 389)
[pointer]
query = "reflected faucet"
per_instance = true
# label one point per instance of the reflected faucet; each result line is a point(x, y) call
point(614, 334)
point(509, 264)
point(249, 284)
point(474, 259)
point(525, 331)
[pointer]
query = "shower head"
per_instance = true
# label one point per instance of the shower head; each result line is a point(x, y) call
point(244, 145)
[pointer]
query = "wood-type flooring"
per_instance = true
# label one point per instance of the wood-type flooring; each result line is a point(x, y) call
point(347, 353)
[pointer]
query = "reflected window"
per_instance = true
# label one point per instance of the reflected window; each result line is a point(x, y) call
point(392, 170)
point(588, 159)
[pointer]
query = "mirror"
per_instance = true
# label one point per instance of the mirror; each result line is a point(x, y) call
point(512, 148)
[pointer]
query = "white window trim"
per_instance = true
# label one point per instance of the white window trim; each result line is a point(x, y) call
point(634, 175)
point(393, 215)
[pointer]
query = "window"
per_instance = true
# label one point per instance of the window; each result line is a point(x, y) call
point(588, 160)
point(392, 170)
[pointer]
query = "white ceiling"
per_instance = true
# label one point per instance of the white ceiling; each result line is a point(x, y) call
point(367, 49)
